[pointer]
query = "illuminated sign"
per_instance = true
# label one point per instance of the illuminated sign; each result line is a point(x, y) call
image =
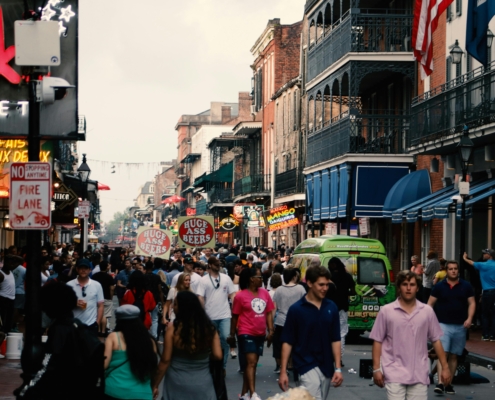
point(228, 224)
point(280, 218)
point(253, 214)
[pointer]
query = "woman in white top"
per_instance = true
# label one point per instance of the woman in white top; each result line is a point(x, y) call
point(183, 284)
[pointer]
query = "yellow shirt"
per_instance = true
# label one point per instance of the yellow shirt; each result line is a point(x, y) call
point(440, 275)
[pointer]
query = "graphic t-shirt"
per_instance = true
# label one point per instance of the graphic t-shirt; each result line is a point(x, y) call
point(252, 311)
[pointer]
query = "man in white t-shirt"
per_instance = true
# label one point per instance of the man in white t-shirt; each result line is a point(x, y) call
point(188, 267)
point(214, 291)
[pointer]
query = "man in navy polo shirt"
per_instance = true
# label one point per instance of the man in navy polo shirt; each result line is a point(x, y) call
point(312, 333)
point(454, 303)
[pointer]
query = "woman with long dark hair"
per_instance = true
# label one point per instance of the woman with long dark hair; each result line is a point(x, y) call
point(251, 315)
point(138, 295)
point(130, 357)
point(188, 344)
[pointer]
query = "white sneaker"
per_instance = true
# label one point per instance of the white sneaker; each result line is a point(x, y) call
point(255, 396)
point(233, 354)
point(245, 397)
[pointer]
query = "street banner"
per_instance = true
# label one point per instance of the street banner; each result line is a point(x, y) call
point(30, 195)
point(153, 242)
point(197, 231)
point(280, 218)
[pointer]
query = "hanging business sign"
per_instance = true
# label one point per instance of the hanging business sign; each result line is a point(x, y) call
point(153, 242)
point(250, 215)
point(30, 195)
point(198, 231)
point(228, 224)
point(280, 218)
point(60, 119)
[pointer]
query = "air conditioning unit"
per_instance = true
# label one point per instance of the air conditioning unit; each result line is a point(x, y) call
point(253, 109)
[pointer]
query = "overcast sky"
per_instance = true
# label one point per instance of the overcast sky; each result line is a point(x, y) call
point(144, 64)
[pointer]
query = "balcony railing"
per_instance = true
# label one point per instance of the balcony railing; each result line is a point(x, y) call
point(221, 195)
point(363, 133)
point(252, 184)
point(289, 182)
point(186, 183)
point(443, 111)
point(364, 31)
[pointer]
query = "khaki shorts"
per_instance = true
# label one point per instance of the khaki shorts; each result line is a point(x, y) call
point(108, 309)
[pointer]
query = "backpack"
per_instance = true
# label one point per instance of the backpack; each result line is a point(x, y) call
point(139, 303)
point(91, 359)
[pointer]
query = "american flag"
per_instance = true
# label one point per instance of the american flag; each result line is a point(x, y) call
point(426, 13)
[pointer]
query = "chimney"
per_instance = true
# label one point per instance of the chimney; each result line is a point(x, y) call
point(226, 114)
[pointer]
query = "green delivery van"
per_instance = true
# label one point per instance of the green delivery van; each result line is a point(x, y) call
point(365, 260)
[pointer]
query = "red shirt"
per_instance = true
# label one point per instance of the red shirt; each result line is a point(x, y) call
point(252, 311)
point(148, 301)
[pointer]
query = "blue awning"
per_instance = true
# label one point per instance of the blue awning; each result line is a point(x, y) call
point(372, 183)
point(325, 194)
point(479, 190)
point(316, 196)
point(334, 192)
point(343, 190)
point(406, 190)
point(469, 203)
point(413, 208)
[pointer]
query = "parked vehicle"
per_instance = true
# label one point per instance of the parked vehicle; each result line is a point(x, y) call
point(365, 260)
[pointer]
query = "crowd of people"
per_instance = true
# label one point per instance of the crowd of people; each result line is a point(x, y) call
point(179, 320)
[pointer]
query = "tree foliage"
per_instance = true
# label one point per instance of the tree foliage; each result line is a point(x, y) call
point(114, 225)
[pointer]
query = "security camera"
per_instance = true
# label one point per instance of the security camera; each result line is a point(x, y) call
point(53, 88)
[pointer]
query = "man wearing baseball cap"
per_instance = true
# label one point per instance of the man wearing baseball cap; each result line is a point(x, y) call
point(487, 276)
point(188, 267)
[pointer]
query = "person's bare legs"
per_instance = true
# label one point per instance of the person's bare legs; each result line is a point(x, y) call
point(249, 379)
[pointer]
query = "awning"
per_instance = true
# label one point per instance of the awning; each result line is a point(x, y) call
point(316, 196)
point(102, 186)
point(191, 157)
point(406, 190)
point(247, 128)
point(480, 190)
point(224, 174)
point(188, 189)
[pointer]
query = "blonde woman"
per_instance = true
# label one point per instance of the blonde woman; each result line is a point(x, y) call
point(183, 284)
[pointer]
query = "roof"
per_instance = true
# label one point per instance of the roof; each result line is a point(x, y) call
point(146, 188)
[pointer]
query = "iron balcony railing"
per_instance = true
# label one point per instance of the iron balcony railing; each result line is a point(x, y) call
point(360, 31)
point(380, 133)
point(186, 183)
point(443, 111)
point(252, 184)
point(289, 182)
point(201, 207)
point(220, 195)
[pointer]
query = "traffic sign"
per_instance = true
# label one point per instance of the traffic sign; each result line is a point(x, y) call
point(83, 211)
point(63, 197)
point(30, 195)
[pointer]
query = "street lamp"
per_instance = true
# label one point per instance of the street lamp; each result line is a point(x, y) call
point(456, 53)
point(294, 237)
point(274, 239)
point(245, 221)
point(84, 172)
point(465, 149)
point(489, 38)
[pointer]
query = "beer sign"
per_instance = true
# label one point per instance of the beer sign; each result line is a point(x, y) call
point(153, 242)
point(197, 231)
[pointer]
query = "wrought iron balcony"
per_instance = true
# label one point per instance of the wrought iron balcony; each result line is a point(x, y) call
point(186, 183)
point(201, 207)
point(443, 111)
point(382, 133)
point(252, 184)
point(289, 182)
point(360, 31)
point(221, 195)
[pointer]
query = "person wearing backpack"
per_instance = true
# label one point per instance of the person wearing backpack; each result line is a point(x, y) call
point(70, 349)
point(130, 357)
point(139, 296)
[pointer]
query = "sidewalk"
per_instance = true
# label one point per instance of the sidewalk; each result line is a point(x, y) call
point(480, 352)
point(10, 371)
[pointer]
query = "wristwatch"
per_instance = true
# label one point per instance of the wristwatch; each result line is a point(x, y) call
point(338, 370)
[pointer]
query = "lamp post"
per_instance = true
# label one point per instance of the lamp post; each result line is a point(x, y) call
point(465, 149)
point(84, 172)
point(456, 53)
point(294, 237)
point(274, 240)
point(245, 221)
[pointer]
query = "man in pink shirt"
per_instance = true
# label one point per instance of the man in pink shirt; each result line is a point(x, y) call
point(400, 353)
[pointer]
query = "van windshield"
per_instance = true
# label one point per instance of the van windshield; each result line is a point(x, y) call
point(371, 271)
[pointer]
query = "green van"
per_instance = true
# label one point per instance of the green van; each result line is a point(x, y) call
point(365, 260)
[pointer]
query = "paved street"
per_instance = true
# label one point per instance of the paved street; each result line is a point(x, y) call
point(354, 387)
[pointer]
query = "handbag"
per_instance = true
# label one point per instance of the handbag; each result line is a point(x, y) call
point(216, 370)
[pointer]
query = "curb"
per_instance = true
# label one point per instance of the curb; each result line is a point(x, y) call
point(480, 360)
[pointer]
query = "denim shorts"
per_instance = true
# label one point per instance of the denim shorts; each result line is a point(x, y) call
point(251, 344)
point(453, 338)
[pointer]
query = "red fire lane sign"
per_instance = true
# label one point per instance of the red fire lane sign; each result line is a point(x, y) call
point(30, 195)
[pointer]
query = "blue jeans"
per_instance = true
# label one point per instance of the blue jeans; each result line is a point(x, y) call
point(154, 323)
point(223, 328)
point(488, 312)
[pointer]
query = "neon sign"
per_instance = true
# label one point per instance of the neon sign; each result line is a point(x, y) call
point(280, 218)
point(7, 54)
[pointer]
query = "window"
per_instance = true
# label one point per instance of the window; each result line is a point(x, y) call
point(371, 271)
point(294, 110)
point(448, 65)
point(448, 13)
point(458, 7)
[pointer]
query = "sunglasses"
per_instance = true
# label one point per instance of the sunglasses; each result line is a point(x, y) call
point(83, 289)
point(217, 281)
